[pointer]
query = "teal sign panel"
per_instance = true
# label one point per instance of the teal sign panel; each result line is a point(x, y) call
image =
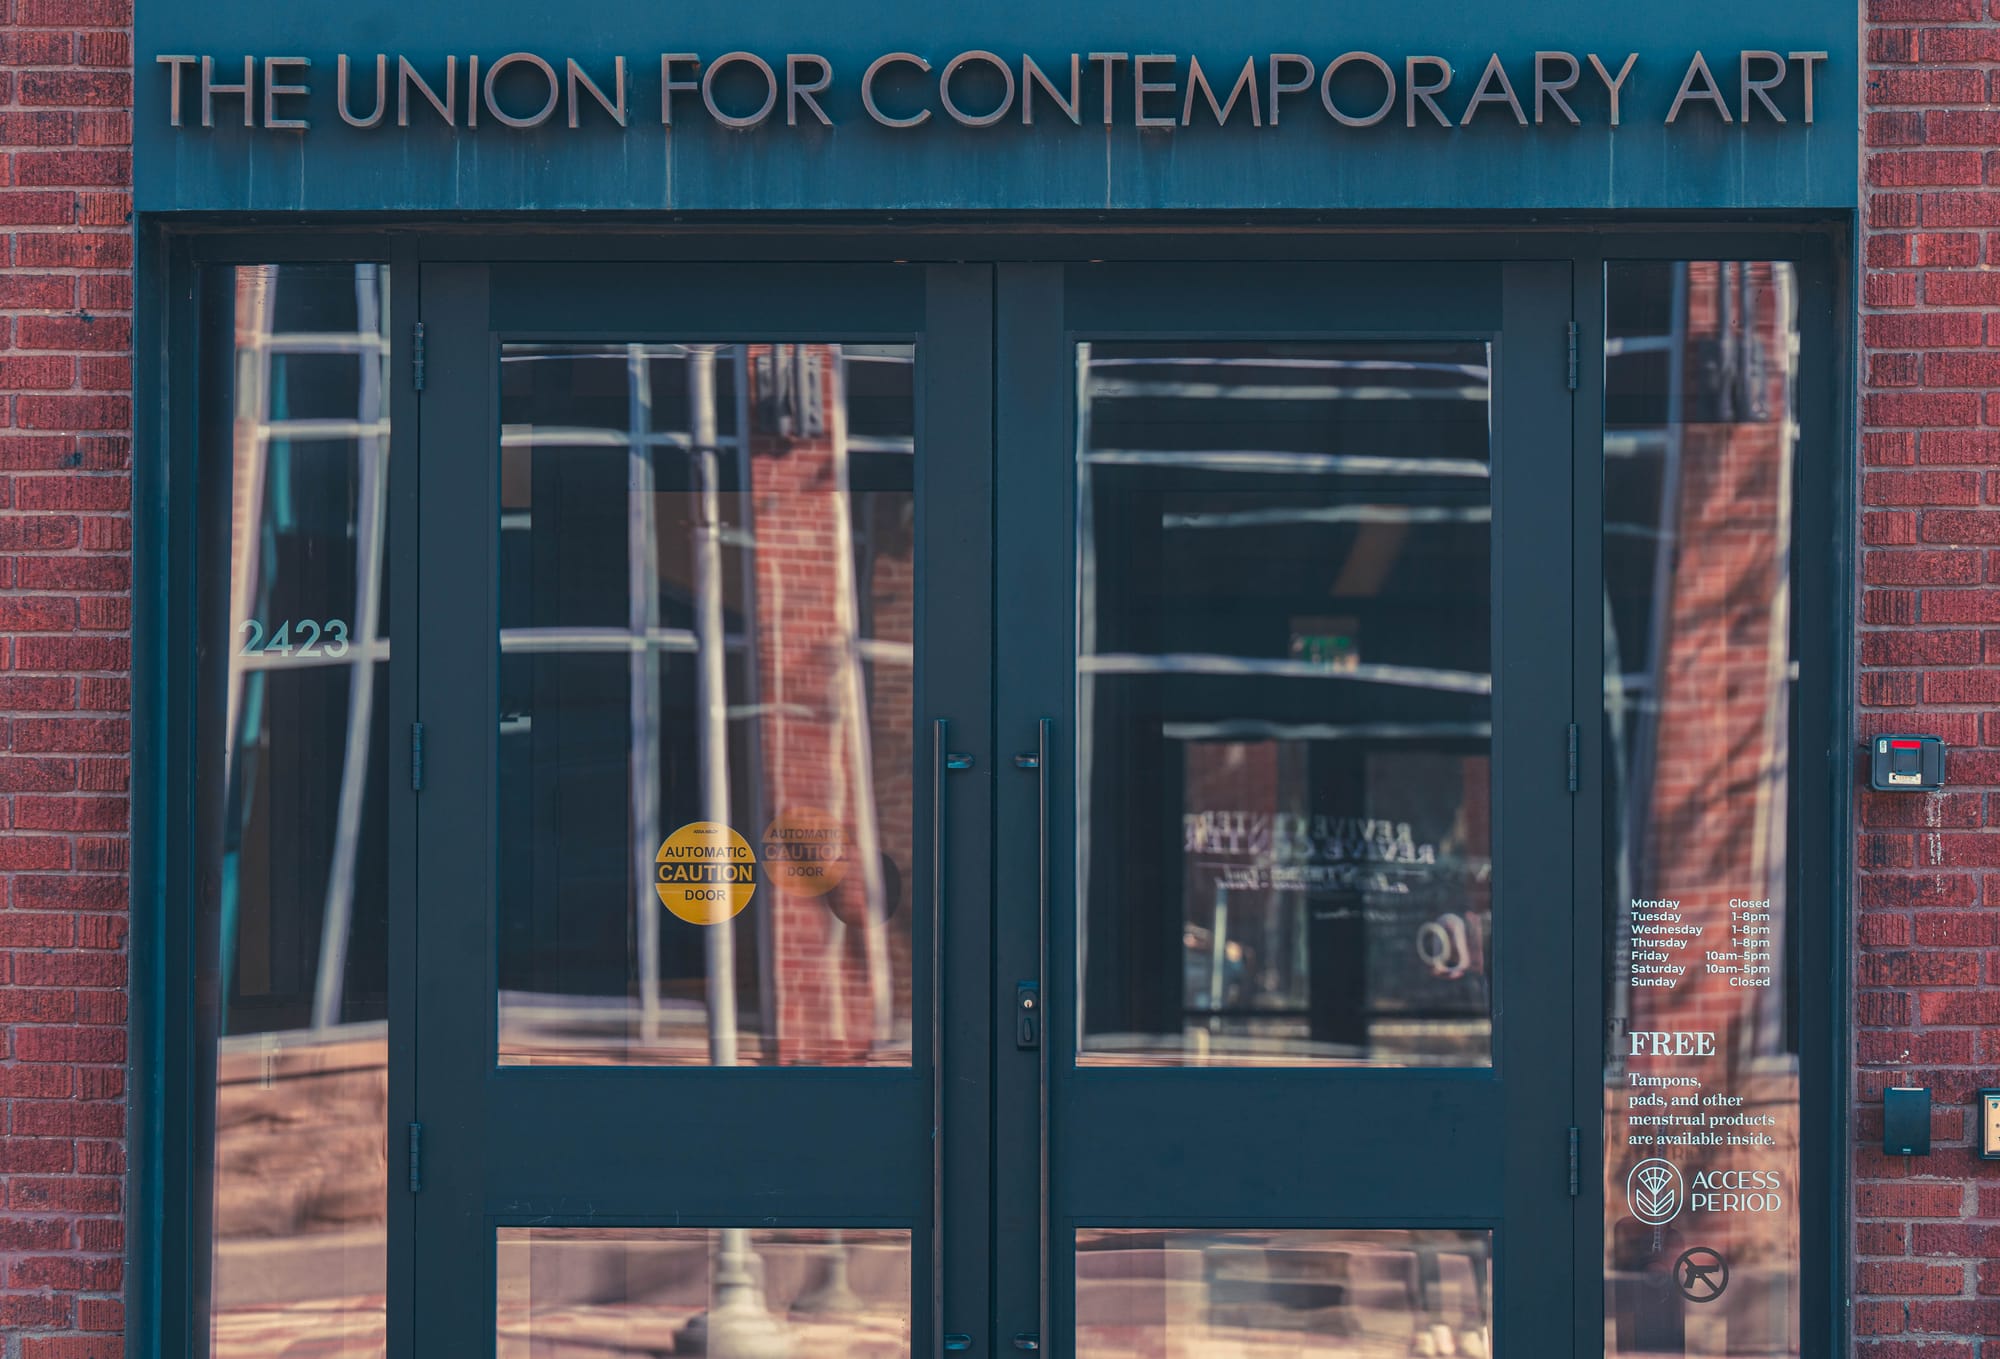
point(1034, 106)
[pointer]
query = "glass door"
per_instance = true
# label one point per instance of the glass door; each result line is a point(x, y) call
point(1283, 869)
point(978, 811)
point(703, 689)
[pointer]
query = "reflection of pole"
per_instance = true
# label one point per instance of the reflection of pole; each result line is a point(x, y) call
point(737, 1324)
point(711, 688)
point(642, 596)
point(832, 1295)
point(854, 712)
point(370, 504)
point(751, 693)
point(1086, 685)
point(255, 303)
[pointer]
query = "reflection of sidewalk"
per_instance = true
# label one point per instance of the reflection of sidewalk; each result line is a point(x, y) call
point(628, 1330)
point(259, 1271)
point(332, 1328)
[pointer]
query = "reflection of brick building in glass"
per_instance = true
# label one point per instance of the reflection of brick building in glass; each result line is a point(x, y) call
point(731, 506)
point(1701, 430)
point(835, 581)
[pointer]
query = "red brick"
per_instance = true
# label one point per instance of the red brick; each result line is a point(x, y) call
point(74, 13)
point(1933, 647)
point(72, 1347)
point(1910, 1278)
point(1895, 127)
point(1920, 488)
point(1892, 45)
point(46, 127)
point(1899, 169)
point(1888, 528)
point(104, 48)
point(1883, 890)
point(1929, 409)
point(1926, 86)
point(35, 290)
point(102, 412)
point(1933, 810)
point(1958, 445)
point(1895, 370)
point(100, 492)
point(73, 573)
point(1967, 1317)
point(66, 1118)
point(1889, 290)
point(72, 653)
point(1953, 368)
point(86, 814)
point(1924, 330)
point(83, 735)
point(1899, 566)
point(81, 331)
point(1889, 448)
point(1958, 209)
point(1910, 11)
point(1878, 1318)
point(22, 1311)
point(1906, 968)
point(1961, 606)
point(1909, 1200)
point(1894, 210)
point(74, 250)
point(1881, 1007)
point(1882, 1238)
point(1957, 929)
point(75, 891)
point(98, 89)
point(1959, 46)
point(1961, 288)
point(43, 372)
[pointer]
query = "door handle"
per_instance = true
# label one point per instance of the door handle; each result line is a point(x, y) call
point(1031, 1020)
point(944, 761)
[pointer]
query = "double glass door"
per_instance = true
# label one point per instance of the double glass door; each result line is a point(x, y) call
point(994, 809)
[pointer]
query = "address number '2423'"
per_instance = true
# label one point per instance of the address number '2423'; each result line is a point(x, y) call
point(298, 637)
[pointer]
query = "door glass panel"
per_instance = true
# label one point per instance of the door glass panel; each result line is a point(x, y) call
point(782, 1293)
point(706, 712)
point(1264, 1293)
point(1701, 1071)
point(1285, 704)
point(292, 970)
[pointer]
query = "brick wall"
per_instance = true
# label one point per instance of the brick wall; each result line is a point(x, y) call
point(1927, 1011)
point(65, 539)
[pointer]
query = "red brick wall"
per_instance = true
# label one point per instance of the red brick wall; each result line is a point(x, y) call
point(1927, 906)
point(65, 615)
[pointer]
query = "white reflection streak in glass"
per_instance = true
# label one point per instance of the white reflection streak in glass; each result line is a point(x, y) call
point(854, 714)
point(642, 603)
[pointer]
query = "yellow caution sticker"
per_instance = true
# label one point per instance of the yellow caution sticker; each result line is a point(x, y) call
point(705, 873)
point(805, 852)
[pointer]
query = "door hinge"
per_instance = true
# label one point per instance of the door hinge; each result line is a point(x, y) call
point(1575, 1162)
point(416, 757)
point(1572, 756)
point(1572, 355)
point(417, 356)
point(417, 1158)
